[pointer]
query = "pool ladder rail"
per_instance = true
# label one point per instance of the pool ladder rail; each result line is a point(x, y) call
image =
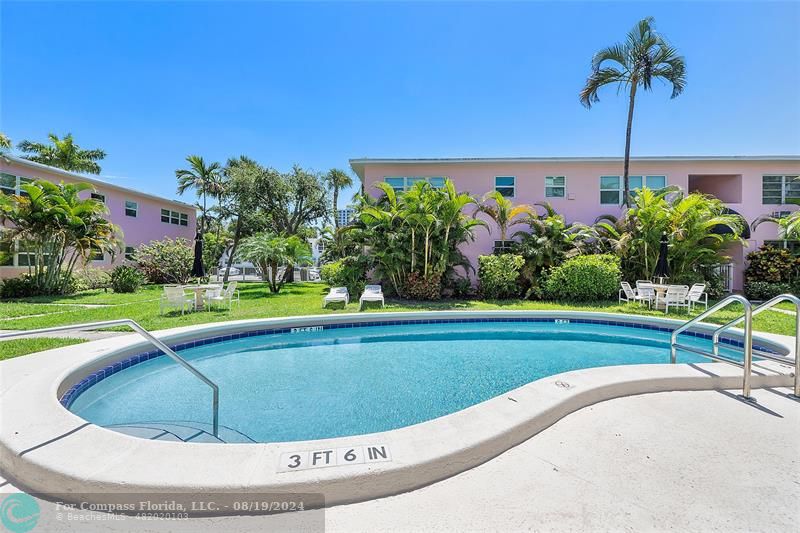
point(150, 338)
point(747, 317)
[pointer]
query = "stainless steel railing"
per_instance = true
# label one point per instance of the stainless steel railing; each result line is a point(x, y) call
point(747, 364)
point(150, 338)
point(763, 307)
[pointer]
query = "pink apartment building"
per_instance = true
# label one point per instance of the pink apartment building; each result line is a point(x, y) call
point(583, 188)
point(142, 217)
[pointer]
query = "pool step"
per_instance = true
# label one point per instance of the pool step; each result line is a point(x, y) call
point(179, 432)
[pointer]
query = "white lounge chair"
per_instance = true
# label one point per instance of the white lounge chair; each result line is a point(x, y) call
point(336, 294)
point(175, 298)
point(219, 296)
point(676, 296)
point(698, 295)
point(626, 293)
point(372, 293)
point(645, 292)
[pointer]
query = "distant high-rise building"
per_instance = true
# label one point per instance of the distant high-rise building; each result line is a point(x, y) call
point(344, 216)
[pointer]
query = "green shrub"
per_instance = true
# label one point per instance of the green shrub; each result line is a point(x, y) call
point(347, 272)
point(165, 261)
point(91, 278)
point(20, 287)
point(498, 274)
point(126, 278)
point(418, 287)
point(764, 290)
point(774, 265)
point(714, 284)
point(585, 278)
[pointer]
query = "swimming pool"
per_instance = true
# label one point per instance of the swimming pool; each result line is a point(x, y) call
point(342, 380)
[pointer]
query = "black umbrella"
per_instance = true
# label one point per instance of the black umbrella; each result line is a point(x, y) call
point(662, 268)
point(197, 266)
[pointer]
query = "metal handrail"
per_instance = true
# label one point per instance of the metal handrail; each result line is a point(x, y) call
point(144, 333)
point(747, 364)
point(763, 307)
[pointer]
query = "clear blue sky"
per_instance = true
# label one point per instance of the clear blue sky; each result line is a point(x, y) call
point(316, 84)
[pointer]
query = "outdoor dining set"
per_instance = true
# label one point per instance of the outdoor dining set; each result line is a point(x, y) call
point(663, 296)
point(206, 296)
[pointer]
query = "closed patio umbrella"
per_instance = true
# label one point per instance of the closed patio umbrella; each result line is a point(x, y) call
point(198, 271)
point(662, 267)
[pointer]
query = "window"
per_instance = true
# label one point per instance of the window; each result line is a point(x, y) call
point(780, 189)
point(99, 197)
point(131, 209)
point(555, 186)
point(26, 255)
point(792, 246)
point(320, 246)
point(6, 251)
point(503, 247)
point(612, 187)
point(97, 254)
point(505, 185)
point(8, 183)
point(403, 183)
point(174, 217)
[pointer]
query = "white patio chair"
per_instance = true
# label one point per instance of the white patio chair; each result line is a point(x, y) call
point(626, 293)
point(211, 294)
point(372, 293)
point(676, 296)
point(336, 294)
point(698, 295)
point(645, 292)
point(229, 295)
point(175, 298)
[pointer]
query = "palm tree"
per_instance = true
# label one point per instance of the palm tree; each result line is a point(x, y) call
point(63, 153)
point(337, 179)
point(503, 212)
point(205, 179)
point(788, 225)
point(643, 57)
point(270, 252)
point(5, 142)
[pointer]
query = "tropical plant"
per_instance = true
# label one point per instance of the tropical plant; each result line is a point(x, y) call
point(204, 178)
point(698, 228)
point(584, 278)
point(497, 275)
point(125, 278)
point(165, 261)
point(788, 225)
point(772, 265)
point(350, 272)
point(337, 180)
point(549, 242)
point(89, 278)
point(270, 252)
point(503, 212)
point(63, 153)
point(5, 142)
point(57, 230)
point(338, 243)
point(645, 56)
point(417, 232)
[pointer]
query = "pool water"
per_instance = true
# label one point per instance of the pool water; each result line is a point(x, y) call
point(332, 383)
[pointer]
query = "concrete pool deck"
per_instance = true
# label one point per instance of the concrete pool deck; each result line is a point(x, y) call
point(677, 461)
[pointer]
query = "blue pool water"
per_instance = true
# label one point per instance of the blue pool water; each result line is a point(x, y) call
point(330, 383)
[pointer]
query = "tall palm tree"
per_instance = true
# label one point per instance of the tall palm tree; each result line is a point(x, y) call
point(204, 179)
point(643, 57)
point(337, 179)
point(5, 142)
point(63, 153)
point(503, 212)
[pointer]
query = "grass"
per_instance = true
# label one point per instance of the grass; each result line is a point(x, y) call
point(306, 299)
point(17, 347)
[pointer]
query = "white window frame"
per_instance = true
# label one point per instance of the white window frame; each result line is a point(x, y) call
point(786, 179)
point(621, 188)
point(129, 255)
point(513, 186)
point(175, 218)
point(408, 181)
point(135, 208)
point(18, 181)
point(553, 186)
point(100, 197)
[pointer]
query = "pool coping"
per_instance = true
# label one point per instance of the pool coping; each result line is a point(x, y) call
point(47, 449)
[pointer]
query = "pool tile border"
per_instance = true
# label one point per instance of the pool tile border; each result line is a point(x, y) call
point(92, 379)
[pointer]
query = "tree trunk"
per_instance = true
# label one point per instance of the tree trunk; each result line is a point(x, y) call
point(336, 207)
point(203, 216)
point(626, 195)
point(236, 235)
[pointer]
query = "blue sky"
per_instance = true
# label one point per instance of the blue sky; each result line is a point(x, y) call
point(318, 83)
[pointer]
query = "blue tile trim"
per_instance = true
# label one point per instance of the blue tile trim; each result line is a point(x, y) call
point(76, 390)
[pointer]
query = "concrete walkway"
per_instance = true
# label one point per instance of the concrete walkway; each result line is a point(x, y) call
point(678, 461)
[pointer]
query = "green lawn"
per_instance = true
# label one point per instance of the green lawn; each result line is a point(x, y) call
point(306, 299)
point(17, 347)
